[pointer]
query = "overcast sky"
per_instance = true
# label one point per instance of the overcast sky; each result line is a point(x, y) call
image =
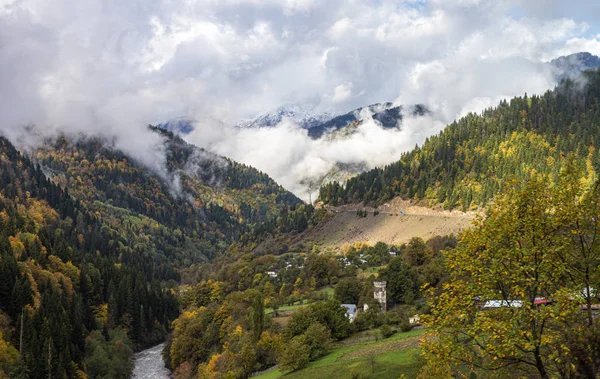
point(113, 66)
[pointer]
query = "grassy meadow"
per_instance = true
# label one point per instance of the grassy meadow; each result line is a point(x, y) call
point(388, 358)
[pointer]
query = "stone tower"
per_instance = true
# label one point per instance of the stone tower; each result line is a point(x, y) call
point(380, 294)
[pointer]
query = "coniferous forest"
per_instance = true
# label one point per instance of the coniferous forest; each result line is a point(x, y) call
point(472, 159)
point(92, 243)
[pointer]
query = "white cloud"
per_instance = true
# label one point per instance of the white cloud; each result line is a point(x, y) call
point(339, 28)
point(112, 67)
point(342, 93)
point(575, 45)
point(288, 154)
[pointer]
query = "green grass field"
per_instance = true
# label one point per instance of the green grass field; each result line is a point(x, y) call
point(328, 290)
point(287, 308)
point(387, 358)
point(368, 272)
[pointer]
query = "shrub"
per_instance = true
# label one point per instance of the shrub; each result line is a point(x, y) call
point(295, 356)
point(318, 339)
point(399, 319)
point(386, 331)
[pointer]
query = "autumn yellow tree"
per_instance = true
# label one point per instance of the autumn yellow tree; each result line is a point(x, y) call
point(511, 306)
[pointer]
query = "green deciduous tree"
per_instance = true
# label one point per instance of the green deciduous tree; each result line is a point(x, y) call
point(109, 359)
point(348, 290)
point(402, 281)
point(328, 313)
point(318, 339)
point(386, 331)
point(295, 355)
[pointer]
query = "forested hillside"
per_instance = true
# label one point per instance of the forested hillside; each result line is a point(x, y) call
point(472, 159)
point(388, 115)
point(191, 212)
point(91, 244)
point(73, 297)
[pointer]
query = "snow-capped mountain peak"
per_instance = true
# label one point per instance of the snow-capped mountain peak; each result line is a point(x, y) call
point(305, 116)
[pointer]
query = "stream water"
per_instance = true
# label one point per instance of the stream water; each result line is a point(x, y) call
point(149, 364)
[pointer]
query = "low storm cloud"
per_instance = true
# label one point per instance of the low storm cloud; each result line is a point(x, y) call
point(111, 68)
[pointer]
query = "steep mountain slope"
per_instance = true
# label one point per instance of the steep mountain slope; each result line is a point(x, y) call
point(91, 243)
point(571, 66)
point(208, 200)
point(472, 159)
point(386, 114)
point(65, 276)
point(394, 223)
point(304, 115)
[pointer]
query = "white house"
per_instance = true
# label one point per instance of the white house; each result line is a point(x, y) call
point(350, 311)
point(502, 304)
point(414, 320)
point(272, 274)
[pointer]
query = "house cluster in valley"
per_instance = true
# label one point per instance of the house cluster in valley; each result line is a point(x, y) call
point(538, 302)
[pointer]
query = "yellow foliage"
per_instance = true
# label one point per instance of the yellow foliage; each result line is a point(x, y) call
point(17, 246)
point(101, 313)
point(212, 364)
point(221, 365)
point(38, 276)
point(8, 355)
point(189, 314)
point(3, 214)
point(202, 372)
point(495, 260)
point(238, 331)
point(38, 211)
point(55, 264)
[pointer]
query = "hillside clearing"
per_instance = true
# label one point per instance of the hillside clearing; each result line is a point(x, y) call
point(387, 358)
point(397, 222)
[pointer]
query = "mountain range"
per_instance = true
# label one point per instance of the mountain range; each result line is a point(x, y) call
point(389, 115)
point(570, 66)
point(304, 115)
point(333, 128)
point(474, 158)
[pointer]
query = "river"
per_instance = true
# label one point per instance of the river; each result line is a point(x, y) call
point(149, 364)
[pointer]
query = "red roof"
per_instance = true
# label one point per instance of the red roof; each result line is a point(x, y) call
point(541, 301)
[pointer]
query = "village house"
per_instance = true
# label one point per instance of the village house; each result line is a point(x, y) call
point(351, 311)
point(414, 320)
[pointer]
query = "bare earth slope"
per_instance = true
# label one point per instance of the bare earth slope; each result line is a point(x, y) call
point(397, 222)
